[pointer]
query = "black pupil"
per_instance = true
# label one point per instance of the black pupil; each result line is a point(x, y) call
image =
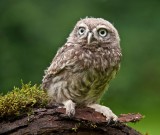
point(102, 32)
point(81, 30)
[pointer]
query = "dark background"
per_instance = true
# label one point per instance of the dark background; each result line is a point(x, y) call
point(31, 31)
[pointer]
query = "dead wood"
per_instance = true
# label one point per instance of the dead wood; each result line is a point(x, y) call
point(53, 121)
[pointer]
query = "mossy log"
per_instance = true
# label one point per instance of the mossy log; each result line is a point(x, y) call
point(53, 121)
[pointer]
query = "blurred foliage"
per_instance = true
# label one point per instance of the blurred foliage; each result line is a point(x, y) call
point(22, 100)
point(31, 31)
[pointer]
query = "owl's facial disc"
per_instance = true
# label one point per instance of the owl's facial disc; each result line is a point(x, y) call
point(92, 34)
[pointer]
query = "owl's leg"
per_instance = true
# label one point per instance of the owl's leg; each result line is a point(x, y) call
point(70, 107)
point(105, 111)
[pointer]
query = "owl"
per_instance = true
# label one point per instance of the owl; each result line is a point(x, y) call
point(83, 67)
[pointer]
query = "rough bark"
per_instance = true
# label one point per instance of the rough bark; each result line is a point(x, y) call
point(53, 121)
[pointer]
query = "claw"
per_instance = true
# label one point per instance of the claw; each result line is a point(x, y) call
point(70, 108)
point(105, 111)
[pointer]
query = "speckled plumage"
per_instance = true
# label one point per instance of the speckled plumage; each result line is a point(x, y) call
point(82, 69)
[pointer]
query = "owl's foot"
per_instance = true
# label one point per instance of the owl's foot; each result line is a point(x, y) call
point(105, 111)
point(70, 107)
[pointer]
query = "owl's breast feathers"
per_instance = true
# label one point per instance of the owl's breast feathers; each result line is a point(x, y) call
point(95, 66)
point(71, 56)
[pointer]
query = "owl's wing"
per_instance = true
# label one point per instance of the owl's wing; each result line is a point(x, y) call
point(64, 59)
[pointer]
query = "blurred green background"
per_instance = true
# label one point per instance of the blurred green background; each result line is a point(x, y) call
point(31, 31)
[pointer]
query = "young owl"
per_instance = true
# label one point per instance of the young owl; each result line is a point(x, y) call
point(82, 69)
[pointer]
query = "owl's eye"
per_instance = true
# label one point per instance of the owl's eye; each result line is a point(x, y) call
point(102, 32)
point(81, 30)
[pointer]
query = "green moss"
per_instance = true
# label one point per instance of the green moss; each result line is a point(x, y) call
point(22, 100)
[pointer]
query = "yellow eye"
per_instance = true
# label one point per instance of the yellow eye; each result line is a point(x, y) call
point(102, 32)
point(81, 30)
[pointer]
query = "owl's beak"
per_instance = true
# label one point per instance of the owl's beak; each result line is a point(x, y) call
point(89, 38)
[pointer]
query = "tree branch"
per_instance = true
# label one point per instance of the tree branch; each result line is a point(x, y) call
point(54, 121)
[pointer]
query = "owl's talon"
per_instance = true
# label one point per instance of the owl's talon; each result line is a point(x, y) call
point(70, 108)
point(70, 113)
point(115, 118)
point(105, 111)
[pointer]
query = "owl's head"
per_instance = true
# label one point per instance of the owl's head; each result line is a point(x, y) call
point(94, 31)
